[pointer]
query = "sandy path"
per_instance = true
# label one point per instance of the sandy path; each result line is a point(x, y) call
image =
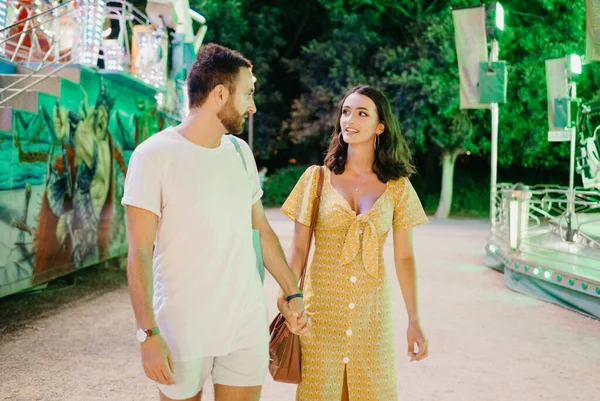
point(486, 342)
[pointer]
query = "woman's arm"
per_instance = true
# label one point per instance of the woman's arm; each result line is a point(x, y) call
point(405, 270)
point(407, 278)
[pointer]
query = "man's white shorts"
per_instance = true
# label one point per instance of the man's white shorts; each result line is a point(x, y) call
point(243, 368)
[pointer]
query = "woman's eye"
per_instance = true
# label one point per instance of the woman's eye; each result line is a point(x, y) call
point(363, 114)
point(344, 112)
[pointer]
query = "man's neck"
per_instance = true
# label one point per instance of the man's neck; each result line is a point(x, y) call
point(202, 127)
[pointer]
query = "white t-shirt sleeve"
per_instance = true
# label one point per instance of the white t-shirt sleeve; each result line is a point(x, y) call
point(142, 184)
point(257, 192)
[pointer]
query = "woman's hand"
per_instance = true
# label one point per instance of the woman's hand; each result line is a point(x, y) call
point(297, 323)
point(415, 336)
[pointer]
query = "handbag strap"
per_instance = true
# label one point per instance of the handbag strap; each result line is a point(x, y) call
point(313, 223)
point(238, 150)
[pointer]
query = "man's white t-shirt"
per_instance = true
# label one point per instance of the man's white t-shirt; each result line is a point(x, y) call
point(208, 296)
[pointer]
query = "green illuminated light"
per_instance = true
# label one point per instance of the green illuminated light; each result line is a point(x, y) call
point(584, 286)
point(516, 265)
point(548, 275)
point(571, 281)
point(598, 290)
point(559, 278)
point(536, 271)
point(526, 268)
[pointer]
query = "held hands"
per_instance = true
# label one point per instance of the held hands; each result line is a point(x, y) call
point(414, 335)
point(296, 317)
point(157, 361)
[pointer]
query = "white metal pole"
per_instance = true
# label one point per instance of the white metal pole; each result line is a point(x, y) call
point(570, 214)
point(494, 150)
point(572, 170)
point(573, 129)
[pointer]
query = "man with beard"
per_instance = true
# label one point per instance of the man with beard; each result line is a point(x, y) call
point(191, 206)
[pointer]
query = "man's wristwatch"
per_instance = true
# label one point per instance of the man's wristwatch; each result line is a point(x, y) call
point(143, 334)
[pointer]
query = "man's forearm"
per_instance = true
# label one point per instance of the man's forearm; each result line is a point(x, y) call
point(275, 261)
point(140, 281)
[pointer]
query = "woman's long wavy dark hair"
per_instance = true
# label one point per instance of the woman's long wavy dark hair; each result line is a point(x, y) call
point(393, 159)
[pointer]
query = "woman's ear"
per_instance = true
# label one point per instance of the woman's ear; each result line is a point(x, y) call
point(380, 129)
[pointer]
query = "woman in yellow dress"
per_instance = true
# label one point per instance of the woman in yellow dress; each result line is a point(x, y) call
point(348, 353)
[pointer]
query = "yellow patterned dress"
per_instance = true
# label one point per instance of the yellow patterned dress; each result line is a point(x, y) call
point(347, 291)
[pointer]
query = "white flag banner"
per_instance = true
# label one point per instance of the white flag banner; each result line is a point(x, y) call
point(592, 30)
point(471, 50)
point(558, 87)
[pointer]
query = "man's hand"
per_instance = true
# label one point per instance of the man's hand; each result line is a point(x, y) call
point(296, 317)
point(156, 359)
point(414, 335)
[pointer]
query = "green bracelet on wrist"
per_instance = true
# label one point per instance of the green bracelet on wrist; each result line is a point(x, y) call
point(290, 297)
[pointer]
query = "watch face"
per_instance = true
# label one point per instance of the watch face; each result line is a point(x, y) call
point(141, 335)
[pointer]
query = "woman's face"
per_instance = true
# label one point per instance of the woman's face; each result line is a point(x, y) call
point(359, 120)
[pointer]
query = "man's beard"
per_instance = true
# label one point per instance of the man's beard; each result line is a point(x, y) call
point(231, 119)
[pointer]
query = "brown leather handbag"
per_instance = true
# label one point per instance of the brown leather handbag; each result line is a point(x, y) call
point(284, 347)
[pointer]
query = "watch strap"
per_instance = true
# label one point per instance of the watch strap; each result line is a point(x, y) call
point(152, 332)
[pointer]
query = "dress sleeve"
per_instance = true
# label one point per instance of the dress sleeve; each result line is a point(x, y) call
point(299, 204)
point(408, 211)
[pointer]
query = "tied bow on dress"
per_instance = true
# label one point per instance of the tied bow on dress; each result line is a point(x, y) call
point(370, 244)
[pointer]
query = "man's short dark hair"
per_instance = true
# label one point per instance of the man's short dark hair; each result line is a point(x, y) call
point(214, 65)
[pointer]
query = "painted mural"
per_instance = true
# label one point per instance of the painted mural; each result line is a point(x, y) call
point(62, 172)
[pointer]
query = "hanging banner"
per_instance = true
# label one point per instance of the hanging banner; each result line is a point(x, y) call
point(558, 89)
point(592, 30)
point(493, 82)
point(471, 50)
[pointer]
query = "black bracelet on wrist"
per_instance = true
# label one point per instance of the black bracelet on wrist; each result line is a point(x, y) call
point(298, 295)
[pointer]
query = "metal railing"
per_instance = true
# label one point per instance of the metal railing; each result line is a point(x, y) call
point(549, 223)
point(33, 26)
point(34, 42)
point(36, 25)
point(51, 37)
point(152, 72)
point(497, 227)
point(563, 215)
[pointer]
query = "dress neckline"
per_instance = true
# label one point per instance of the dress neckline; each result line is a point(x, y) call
point(346, 203)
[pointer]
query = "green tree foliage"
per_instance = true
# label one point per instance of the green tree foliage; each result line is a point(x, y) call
point(327, 69)
point(536, 31)
point(266, 32)
point(308, 54)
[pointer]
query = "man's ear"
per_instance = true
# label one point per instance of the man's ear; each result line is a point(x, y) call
point(220, 94)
